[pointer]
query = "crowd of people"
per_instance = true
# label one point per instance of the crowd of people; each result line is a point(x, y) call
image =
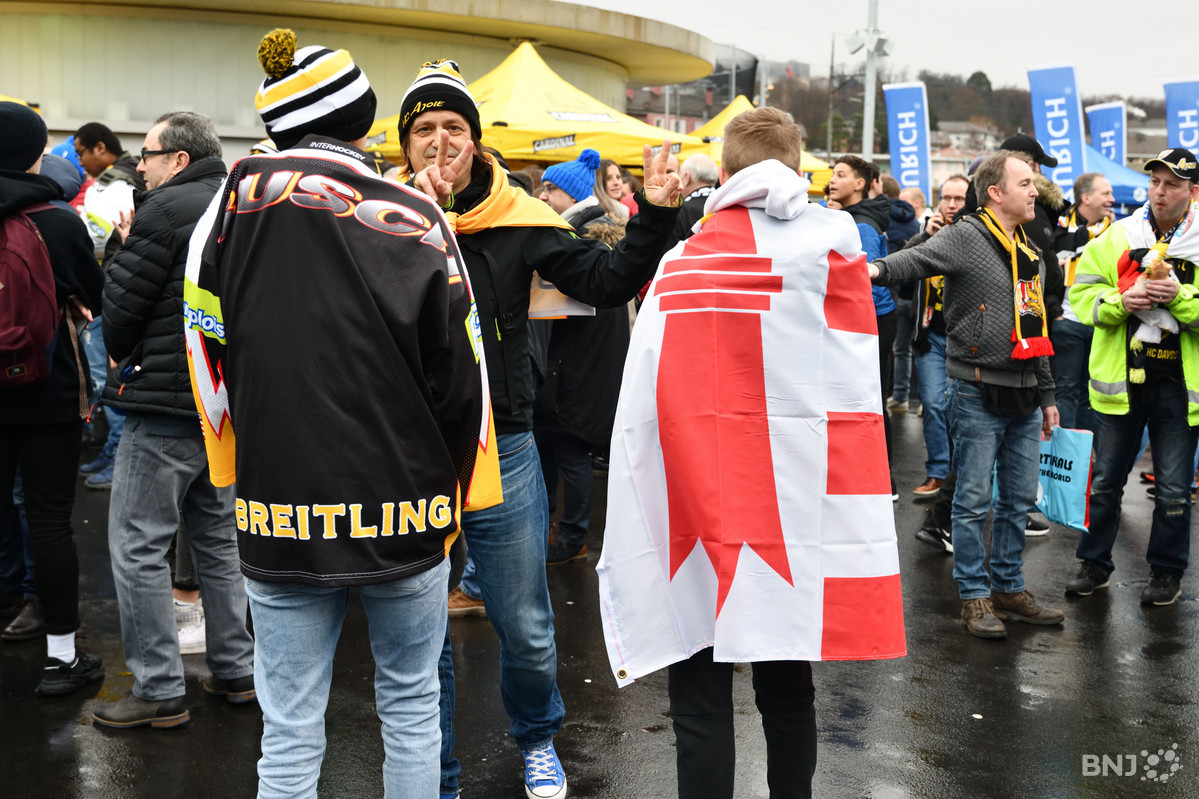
point(482, 317)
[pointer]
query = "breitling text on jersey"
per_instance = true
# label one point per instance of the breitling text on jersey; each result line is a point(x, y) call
point(302, 522)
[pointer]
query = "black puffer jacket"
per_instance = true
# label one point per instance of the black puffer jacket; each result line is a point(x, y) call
point(143, 296)
point(56, 400)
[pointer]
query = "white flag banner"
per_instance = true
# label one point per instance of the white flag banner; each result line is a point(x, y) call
point(749, 497)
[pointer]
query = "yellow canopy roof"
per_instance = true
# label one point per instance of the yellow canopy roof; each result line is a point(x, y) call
point(714, 129)
point(529, 113)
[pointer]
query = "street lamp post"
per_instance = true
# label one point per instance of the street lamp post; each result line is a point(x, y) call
point(876, 44)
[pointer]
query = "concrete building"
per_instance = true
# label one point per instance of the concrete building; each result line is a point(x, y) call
point(124, 64)
point(965, 136)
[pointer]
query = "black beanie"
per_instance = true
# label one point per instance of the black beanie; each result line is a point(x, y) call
point(22, 136)
point(439, 87)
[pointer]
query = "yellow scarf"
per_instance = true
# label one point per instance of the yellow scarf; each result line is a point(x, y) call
point(1031, 339)
point(1093, 232)
point(504, 206)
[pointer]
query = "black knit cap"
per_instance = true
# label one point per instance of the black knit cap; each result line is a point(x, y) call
point(22, 136)
point(439, 87)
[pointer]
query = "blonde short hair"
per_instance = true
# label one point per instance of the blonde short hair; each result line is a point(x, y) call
point(761, 134)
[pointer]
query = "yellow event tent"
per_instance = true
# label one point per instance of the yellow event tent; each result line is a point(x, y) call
point(713, 130)
point(529, 113)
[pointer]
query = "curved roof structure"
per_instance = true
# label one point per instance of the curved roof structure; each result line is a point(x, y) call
point(125, 62)
point(648, 51)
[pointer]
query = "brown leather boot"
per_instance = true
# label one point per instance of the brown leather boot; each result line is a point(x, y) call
point(1023, 607)
point(978, 616)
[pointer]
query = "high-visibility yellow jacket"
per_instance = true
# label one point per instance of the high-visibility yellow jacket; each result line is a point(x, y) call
point(1095, 298)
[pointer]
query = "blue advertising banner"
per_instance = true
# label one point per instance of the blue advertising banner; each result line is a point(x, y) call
point(907, 135)
point(1057, 120)
point(1182, 113)
point(1109, 135)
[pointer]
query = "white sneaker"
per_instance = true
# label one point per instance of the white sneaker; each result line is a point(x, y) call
point(191, 639)
point(189, 614)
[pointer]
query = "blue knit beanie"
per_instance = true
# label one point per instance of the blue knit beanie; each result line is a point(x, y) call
point(576, 178)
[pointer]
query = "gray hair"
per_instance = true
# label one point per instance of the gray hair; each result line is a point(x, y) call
point(1084, 184)
point(993, 172)
point(190, 132)
point(701, 168)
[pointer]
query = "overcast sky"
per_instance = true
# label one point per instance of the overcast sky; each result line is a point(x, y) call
point(1112, 45)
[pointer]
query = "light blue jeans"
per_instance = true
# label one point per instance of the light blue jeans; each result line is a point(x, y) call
point(507, 544)
point(931, 377)
point(982, 442)
point(297, 626)
point(156, 479)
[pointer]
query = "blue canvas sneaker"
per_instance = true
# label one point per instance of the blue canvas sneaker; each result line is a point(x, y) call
point(101, 480)
point(544, 778)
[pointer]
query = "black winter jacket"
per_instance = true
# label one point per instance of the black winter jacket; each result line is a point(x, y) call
point(584, 365)
point(76, 273)
point(501, 262)
point(143, 296)
point(692, 211)
point(903, 225)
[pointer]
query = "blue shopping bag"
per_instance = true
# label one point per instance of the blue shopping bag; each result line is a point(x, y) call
point(1064, 482)
point(1064, 493)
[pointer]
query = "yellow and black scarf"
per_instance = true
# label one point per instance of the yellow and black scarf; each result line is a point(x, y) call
point(1030, 332)
point(1073, 222)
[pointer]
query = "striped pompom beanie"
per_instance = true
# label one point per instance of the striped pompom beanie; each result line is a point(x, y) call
point(311, 90)
point(439, 87)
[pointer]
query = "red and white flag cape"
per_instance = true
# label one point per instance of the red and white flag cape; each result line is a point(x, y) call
point(749, 497)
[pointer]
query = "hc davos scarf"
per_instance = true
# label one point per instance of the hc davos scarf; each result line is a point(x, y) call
point(1180, 243)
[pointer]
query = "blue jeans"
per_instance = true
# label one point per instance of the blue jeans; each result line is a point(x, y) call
point(930, 385)
point(297, 626)
point(97, 361)
point(902, 350)
point(981, 442)
point(468, 582)
point(16, 548)
point(1162, 406)
point(156, 480)
point(507, 544)
point(1071, 372)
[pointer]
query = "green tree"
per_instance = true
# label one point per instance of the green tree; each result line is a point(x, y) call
point(980, 83)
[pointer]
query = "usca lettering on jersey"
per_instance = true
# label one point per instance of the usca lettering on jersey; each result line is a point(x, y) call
point(323, 193)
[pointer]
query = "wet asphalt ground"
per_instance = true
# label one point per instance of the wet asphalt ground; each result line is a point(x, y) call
point(1076, 711)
